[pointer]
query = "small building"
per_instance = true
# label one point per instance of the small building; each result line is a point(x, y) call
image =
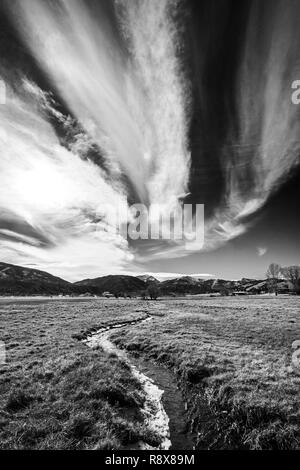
point(240, 292)
point(107, 294)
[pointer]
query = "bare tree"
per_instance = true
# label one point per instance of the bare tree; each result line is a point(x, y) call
point(153, 292)
point(292, 274)
point(273, 273)
point(144, 295)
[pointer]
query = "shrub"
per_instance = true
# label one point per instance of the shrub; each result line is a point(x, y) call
point(196, 374)
point(81, 426)
point(18, 400)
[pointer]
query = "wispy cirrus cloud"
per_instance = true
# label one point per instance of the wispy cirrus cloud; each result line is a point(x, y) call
point(57, 197)
point(129, 97)
point(132, 104)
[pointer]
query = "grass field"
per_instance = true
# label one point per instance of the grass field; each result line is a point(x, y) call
point(232, 359)
point(56, 393)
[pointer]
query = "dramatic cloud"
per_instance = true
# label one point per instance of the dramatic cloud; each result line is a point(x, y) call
point(132, 106)
point(119, 128)
point(58, 195)
point(266, 150)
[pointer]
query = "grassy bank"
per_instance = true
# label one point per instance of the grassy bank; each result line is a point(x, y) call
point(56, 393)
point(232, 358)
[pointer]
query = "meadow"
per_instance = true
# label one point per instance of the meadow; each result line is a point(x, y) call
point(232, 359)
point(56, 393)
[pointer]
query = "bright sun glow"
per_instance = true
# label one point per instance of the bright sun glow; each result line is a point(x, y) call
point(44, 185)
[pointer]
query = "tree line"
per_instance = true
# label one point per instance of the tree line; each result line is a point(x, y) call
point(290, 274)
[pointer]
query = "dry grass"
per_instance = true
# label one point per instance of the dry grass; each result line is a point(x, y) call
point(233, 360)
point(56, 393)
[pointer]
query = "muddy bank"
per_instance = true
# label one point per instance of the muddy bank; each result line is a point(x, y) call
point(173, 403)
point(164, 409)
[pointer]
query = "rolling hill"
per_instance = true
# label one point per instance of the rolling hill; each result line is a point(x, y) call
point(114, 284)
point(147, 278)
point(17, 280)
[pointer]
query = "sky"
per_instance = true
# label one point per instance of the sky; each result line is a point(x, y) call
point(109, 103)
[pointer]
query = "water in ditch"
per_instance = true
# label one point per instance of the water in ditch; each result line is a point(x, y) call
point(164, 409)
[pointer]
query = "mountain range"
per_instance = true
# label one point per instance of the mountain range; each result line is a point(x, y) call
point(18, 280)
point(117, 284)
